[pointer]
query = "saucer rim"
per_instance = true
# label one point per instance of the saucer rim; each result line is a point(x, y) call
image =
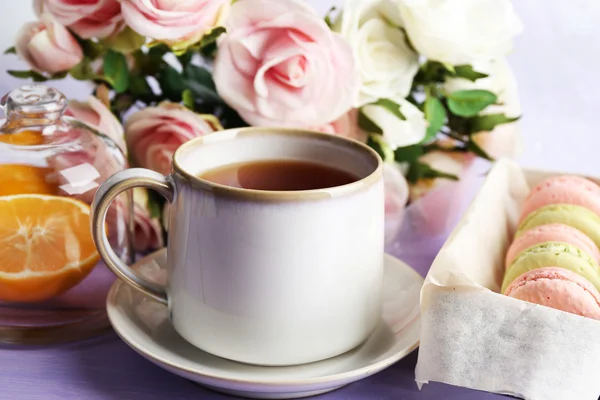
point(365, 371)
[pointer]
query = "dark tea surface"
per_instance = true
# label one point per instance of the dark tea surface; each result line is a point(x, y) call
point(280, 175)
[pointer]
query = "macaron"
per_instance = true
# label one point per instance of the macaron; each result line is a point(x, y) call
point(557, 288)
point(553, 254)
point(552, 233)
point(565, 189)
point(577, 217)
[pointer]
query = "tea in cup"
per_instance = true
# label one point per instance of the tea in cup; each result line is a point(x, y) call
point(275, 243)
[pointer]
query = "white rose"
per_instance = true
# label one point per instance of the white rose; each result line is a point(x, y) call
point(460, 31)
point(398, 132)
point(505, 139)
point(386, 64)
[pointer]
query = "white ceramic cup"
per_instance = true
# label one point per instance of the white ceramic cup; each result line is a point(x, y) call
point(265, 277)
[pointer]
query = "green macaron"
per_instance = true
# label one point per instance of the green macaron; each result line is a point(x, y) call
point(553, 254)
point(577, 217)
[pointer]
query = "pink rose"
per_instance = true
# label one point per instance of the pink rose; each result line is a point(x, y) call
point(168, 19)
point(87, 18)
point(154, 133)
point(95, 114)
point(346, 126)
point(280, 64)
point(47, 46)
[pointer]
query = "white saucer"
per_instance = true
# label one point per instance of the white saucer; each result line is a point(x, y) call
point(144, 325)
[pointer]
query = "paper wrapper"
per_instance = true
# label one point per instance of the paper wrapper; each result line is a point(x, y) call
point(474, 337)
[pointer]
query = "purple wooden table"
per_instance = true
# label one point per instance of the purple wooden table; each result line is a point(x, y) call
point(106, 368)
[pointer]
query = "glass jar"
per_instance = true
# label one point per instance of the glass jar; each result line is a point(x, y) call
point(53, 285)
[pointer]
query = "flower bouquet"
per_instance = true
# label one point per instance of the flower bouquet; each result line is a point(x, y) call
point(423, 82)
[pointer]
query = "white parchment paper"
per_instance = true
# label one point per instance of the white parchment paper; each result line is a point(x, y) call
point(472, 336)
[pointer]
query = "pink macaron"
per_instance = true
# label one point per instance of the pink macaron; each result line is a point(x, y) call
point(565, 189)
point(557, 288)
point(552, 233)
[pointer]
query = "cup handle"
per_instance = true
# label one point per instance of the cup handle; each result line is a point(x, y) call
point(107, 192)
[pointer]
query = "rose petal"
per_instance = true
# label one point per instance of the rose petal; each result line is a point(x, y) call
point(280, 65)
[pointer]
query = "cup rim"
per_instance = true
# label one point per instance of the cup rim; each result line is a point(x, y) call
point(276, 195)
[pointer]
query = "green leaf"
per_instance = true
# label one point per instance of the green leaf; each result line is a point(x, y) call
point(444, 148)
point(391, 106)
point(469, 103)
point(84, 72)
point(149, 63)
point(467, 72)
point(376, 142)
point(434, 72)
point(157, 52)
point(35, 76)
point(408, 154)
point(11, 50)
point(139, 86)
point(209, 51)
point(185, 59)
point(20, 74)
point(126, 41)
point(488, 122)
point(328, 19)
point(92, 49)
point(367, 124)
point(154, 209)
point(208, 43)
point(201, 83)
point(59, 75)
point(171, 83)
point(212, 36)
point(155, 204)
point(448, 67)
point(435, 113)
point(477, 150)
point(116, 69)
point(200, 75)
point(419, 170)
point(459, 125)
point(188, 99)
